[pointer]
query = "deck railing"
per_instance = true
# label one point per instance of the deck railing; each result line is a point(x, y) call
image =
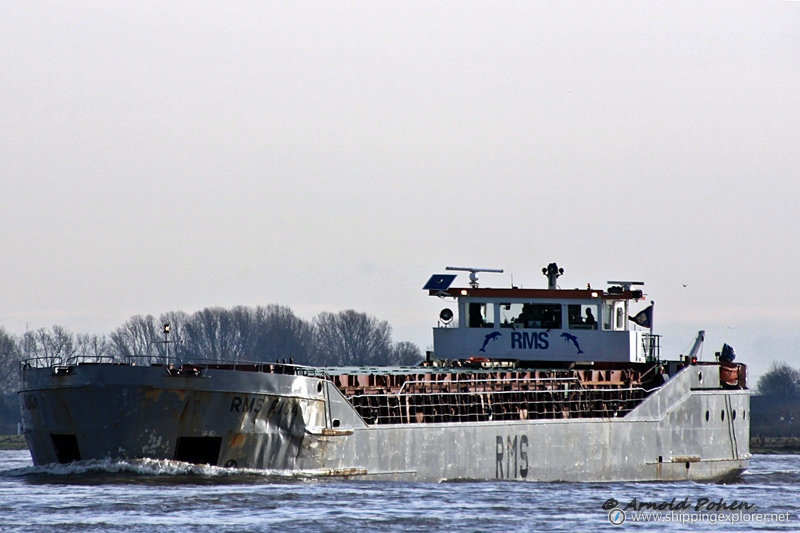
point(651, 347)
point(438, 401)
point(41, 362)
point(160, 360)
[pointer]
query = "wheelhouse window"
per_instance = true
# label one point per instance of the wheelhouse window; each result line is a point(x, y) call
point(620, 322)
point(614, 315)
point(608, 315)
point(509, 313)
point(480, 315)
point(582, 316)
point(530, 315)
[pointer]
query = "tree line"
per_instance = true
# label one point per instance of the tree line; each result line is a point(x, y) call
point(781, 383)
point(776, 409)
point(264, 333)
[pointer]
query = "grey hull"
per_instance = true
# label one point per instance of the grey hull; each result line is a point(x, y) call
point(690, 428)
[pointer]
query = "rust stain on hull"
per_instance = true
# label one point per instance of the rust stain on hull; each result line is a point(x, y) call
point(327, 432)
point(237, 440)
point(345, 472)
point(153, 394)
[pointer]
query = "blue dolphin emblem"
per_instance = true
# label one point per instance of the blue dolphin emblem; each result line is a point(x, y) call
point(573, 339)
point(490, 337)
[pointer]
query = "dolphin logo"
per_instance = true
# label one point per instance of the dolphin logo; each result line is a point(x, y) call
point(573, 339)
point(490, 337)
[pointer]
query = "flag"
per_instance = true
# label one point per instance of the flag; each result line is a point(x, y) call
point(644, 317)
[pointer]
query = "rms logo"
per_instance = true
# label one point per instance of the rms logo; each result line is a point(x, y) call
point(530, 340)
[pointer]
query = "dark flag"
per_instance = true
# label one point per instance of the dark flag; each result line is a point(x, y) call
point(727, 354)
point(644, 317)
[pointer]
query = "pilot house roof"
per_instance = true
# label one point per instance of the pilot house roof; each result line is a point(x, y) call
point(537, 294)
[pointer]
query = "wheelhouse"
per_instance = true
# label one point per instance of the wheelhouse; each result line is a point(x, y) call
point(541, 324)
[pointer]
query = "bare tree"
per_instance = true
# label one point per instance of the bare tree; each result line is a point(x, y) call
point(92, 346)
point(10, 356)
point(139, 336)
point(351, 338)
point(53, 345)
point(176, 346)
point(246, 328)
point(781, 382)
point(280, 334)
point(405, 353)
point(212, 334)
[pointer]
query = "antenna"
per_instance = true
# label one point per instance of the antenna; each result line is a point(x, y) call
point(473, 273)
point(166, 329)
point(626, 285)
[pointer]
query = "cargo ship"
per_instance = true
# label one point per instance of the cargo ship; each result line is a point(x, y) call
point(545, 384)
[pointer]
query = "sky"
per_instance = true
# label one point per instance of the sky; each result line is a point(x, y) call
point(161, 156)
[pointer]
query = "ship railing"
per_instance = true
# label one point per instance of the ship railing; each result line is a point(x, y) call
point(75, 360)
point(169, 361)
point(41, 362)
point(91, 359)
point(650, 373)
point(556, 400)
point(487, 384)
point(651, 347)
point(122, 359)
point(147, 360)
point(251, 366)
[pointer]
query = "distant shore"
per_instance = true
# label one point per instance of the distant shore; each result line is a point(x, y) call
point(765, 445)
point(12, 442)
point(774, 445)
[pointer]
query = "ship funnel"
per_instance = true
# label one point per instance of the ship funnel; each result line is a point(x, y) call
point(552, 272)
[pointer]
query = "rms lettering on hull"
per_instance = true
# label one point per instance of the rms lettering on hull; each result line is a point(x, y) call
point(246, 404)
point(511, 459)
point(530, 340)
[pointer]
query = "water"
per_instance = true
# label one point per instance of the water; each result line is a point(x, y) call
point(171, 496)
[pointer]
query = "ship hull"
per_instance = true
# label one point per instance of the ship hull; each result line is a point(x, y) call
point(690, 428)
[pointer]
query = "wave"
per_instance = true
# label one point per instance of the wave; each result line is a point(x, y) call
point(151, 467)
point(772, 478)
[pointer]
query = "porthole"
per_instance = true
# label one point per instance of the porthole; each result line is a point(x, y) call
point(733, 414)
point(687, 465)
point(744, 415)
point(708, 415)
point(319, 386)
point(723, 416)
point(660, 459)
point(700, 377)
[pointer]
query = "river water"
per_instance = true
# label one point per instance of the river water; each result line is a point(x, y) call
point(172, 496)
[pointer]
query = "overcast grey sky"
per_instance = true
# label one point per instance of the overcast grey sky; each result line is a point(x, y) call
point(163, 156)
